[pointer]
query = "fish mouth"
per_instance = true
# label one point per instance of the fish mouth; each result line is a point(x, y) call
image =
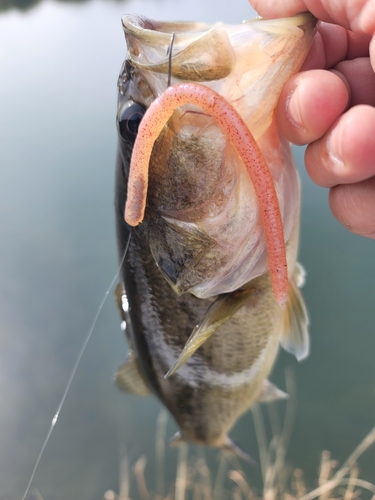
point(190, 41)
point(247, 64)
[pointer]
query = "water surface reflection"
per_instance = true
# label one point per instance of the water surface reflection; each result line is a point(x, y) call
point(24, 5)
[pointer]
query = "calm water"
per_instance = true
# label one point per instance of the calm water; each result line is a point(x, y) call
point(59, 64)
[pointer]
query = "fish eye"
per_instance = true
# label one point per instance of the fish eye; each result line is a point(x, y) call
point(128, 119)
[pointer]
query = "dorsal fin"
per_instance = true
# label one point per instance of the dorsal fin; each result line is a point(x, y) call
point(130, 379)
point(295, 338)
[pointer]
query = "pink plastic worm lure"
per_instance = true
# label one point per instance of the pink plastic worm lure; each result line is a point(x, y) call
point(233, 125)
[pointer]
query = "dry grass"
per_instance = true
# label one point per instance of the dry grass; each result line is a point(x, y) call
point(194, 479)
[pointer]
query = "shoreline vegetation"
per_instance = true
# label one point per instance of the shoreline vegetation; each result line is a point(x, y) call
point(195, 481)
point(280, 482)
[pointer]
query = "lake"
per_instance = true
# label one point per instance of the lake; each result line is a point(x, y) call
point(59, 63)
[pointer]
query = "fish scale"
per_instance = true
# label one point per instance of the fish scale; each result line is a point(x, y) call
point(196, 276)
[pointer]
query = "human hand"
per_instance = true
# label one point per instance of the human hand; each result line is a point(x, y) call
point(331, 107)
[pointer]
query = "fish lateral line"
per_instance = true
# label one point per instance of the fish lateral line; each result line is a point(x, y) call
point(236, 129)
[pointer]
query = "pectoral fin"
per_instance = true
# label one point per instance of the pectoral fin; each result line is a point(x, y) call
point(129, 378)
point(219, 311)
point(295, 337)
point(270, 393)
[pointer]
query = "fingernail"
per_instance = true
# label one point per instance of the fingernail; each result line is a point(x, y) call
point(334, 148)
point(293, 109)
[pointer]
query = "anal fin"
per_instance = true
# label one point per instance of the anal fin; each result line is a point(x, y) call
point(270, 392)
point(295, 338)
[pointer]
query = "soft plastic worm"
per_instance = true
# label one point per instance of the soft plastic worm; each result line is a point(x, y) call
point(235, 128)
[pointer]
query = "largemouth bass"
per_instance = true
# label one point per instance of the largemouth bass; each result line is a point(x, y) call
point(202, 292)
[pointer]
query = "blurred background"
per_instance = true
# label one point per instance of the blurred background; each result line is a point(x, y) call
point(59, 63)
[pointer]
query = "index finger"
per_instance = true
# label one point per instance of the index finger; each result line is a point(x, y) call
point(332, 44)
point(358, 16)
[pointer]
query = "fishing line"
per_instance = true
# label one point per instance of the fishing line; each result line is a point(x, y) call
point(169, 54)
point(74, 369)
